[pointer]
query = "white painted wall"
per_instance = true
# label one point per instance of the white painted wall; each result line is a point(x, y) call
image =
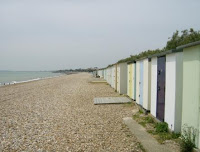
point(104, 74)
point(173, 91)
point(170, 90)
point(118, 78)
point(146, 104)
point(137, 82)
point(109, 74)
point(149, 82)
point(128, 78)
point(153, 85)
point(113, 77)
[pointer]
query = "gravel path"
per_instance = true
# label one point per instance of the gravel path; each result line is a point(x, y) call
point(58, 114)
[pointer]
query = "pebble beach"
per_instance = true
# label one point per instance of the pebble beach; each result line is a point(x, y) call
point(58, 114)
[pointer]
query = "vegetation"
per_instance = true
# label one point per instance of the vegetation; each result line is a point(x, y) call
point(140, 55)
point(67, 71)
point(185, 38)
point(161, 127)
point(177, 39)
point(129, 104)
point(158, 130)
point(188, 139)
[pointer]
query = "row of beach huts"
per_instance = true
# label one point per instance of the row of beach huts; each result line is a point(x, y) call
point(167, 85)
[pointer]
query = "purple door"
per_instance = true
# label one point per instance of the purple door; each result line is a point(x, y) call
point(161, 89)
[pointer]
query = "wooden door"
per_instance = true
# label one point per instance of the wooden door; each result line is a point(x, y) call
point(160, 110)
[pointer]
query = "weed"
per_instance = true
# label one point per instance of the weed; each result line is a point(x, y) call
point(161, 127)
point(141, 147)
point(143, 123)
point(140, 111)
point(188, 138)
point(150, 131)
point(149, 119)
point(175, 135)
point(136, 116)
point(129, 104)
point(159, 130)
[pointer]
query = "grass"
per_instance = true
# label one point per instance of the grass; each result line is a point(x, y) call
point(158, 130)
point(141, 147)
point(161, 127)
point(130, 104)
point(188, 138)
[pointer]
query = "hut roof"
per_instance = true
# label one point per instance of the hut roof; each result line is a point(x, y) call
point(188, 45)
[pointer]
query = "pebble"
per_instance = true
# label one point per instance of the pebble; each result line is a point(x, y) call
point(58, 114)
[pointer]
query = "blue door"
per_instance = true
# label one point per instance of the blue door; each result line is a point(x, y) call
point(141, 83)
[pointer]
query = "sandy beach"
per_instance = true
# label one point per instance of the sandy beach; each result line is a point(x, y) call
point(58, 114)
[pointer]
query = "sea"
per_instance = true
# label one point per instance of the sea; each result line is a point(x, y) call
point(13, 77)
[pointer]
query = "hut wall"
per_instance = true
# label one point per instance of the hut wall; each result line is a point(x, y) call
point(137, 82)
point(153, 86)
point(191, 89)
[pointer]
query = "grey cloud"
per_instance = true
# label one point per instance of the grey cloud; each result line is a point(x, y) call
point(59, 34)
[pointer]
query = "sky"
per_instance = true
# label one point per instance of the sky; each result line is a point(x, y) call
point(63, 34)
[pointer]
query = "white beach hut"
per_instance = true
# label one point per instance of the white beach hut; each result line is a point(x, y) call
point(166, 87)
point(114, 77)
point(143, 83)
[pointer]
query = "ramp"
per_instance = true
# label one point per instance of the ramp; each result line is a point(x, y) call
point(111, 100)
point(148, 142)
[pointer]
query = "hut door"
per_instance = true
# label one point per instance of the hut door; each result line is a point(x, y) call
point(141, 83)
point(161, 89)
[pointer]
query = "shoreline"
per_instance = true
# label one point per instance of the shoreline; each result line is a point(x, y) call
point(37, 79)
point(31, 80)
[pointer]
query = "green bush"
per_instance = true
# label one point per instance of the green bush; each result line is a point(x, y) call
point(175, 135)
point(149, 120)
point(161, 127)
point(188, 138)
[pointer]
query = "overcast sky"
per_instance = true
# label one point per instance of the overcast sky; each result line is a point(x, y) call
point(62, 34)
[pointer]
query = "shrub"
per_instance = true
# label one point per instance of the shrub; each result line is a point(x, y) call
point(188, 138)
point(149, 120)
point(175, 135)
point(161, 127)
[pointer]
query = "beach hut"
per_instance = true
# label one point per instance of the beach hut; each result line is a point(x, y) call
point(105, 74)
point(144, 83)
point(137, 82)
point(191, 87)
point(114, 77)
point(166, 84)
point(95, 73)
point(108, 75)
point(100, 73)
point(109, 72)
point(122, 78)
point(131, 80)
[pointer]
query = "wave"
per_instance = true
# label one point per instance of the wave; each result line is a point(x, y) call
point(35, 79)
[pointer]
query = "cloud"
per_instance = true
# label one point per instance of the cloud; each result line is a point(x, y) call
point(56, 34)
